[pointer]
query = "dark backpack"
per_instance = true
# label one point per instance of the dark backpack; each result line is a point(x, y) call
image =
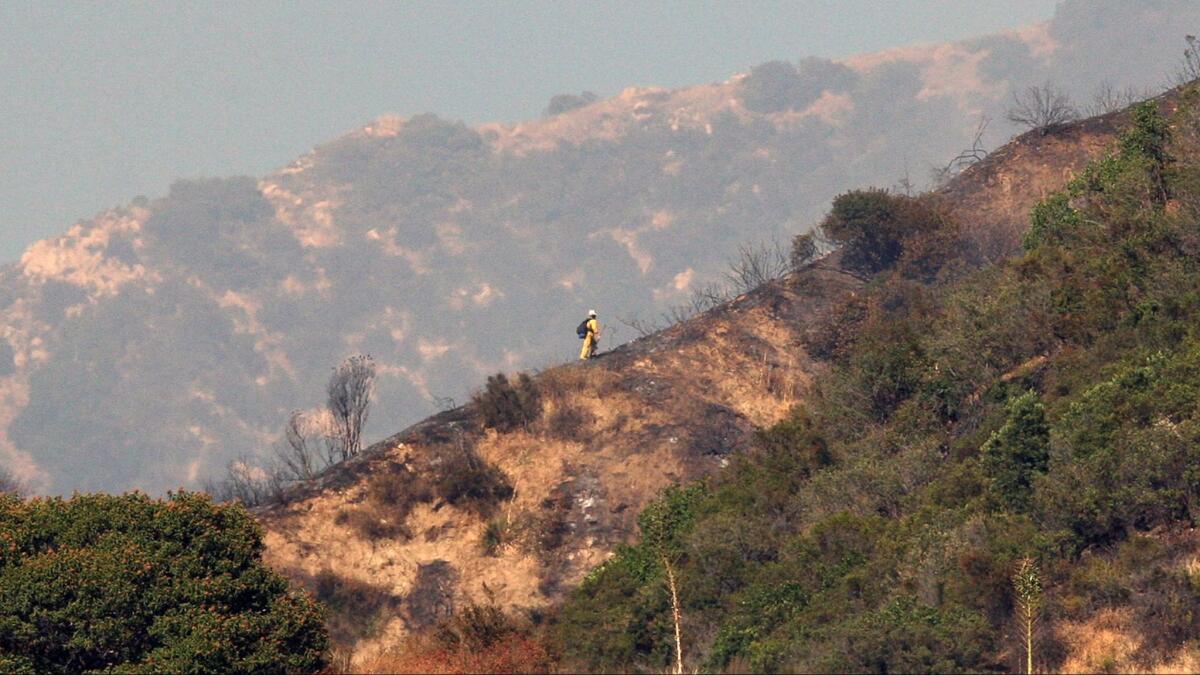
point(582, 331)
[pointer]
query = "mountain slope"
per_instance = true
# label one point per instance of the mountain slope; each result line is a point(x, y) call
point(665, 409)
point(989, 444)
point(152, 344)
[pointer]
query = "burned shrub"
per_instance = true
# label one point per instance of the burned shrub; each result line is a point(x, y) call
point(476, 626)
point(553, 525)
point(398, 490)
point(833, 335)
point(466, 481)
point(505, 407)
point(431, 600)
point(372, 523)
point(569, 422)
point(391, 496)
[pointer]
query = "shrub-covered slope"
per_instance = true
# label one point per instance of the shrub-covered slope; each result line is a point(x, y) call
point(1045, 408)
point(448, 513)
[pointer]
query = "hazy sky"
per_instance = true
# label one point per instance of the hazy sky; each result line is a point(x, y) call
point(100, 102)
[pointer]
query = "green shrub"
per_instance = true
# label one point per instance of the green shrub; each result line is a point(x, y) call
point(496, 533)
point(804, 250)
point(1047, 407)
point(1018, 451)
point(102, 582)
point(907, 637)
point(872, 225)
point(1050, 220)
point(797, 438)
point(620, 614)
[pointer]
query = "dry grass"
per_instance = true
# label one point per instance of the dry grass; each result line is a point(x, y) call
point(1111, 641)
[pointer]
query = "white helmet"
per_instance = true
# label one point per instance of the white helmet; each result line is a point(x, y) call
point(591, 312)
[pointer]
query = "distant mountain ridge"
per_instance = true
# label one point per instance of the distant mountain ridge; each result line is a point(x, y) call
point(148, 346)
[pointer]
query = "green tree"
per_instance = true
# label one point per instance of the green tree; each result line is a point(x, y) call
point(101, 582)
point(1019, 450)
point(871, 226)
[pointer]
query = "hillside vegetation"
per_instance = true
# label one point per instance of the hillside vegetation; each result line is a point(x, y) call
point(1044, 409)
point(513, 498)
point(134, 584)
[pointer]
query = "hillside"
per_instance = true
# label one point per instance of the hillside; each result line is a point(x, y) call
point(150, 345)
point(666, 409)
point(996, 472)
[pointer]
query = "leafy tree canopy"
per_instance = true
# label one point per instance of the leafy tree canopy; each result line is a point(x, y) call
point(101, 582)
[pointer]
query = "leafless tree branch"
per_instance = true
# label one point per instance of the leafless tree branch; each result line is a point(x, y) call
point(1189, 65)
point(350, 390)
point(966, 158)
point(1042, 109)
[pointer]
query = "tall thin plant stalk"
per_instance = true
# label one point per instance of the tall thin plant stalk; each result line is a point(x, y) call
point(675, 615)
point(1027, 585)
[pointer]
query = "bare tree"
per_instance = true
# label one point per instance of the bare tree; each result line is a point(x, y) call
point(444, 403)
point(1109, 99)
point(308, 446)
point(966, 158)
point(1042, 109)
point(640, 326)
point(756, 265)
point(1189, 66)
point(243, 481)
point(350, 390)
point(905, 184)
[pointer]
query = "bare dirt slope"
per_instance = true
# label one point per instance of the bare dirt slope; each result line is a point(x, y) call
point(613, 433)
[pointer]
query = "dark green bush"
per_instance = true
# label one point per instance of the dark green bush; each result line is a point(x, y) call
point(103, 582)
point(871, 226)
point(1019, 451)
point(907, 637)
point(505, 407)
point(777, 85)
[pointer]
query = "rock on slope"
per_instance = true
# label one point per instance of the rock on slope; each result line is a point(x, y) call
point(667, 408)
